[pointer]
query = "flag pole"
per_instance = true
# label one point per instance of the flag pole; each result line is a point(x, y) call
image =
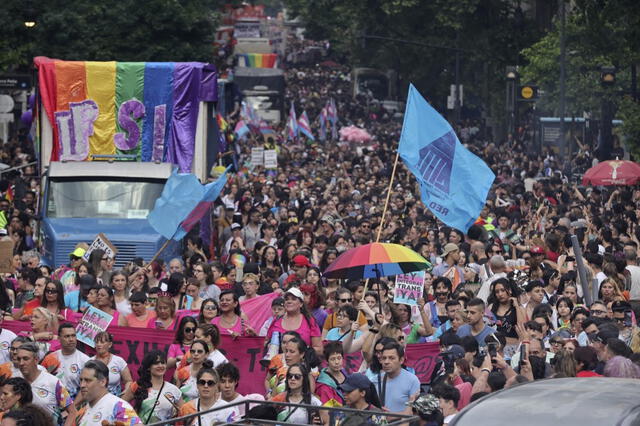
point(160, 250)
point(384, 212)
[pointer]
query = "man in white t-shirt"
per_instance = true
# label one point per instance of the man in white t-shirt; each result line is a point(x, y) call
point(48, 391)
point(102, 406)
point(6, 337)
point(448, 396)
point(229, 379)
point(67, 362)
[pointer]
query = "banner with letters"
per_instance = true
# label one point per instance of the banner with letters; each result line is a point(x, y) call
point(245, 352)
point(145, 109)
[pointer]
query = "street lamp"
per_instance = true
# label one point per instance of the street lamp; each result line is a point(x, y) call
point(29, 24)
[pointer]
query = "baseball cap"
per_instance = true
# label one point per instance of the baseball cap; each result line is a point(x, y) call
point(235, 226)
point(78, 252)
point(456, 351)
point(426, 404)
point(355, 381)
point(296, 292)
point(300, 260)
point(536, 250)
point(448, 248)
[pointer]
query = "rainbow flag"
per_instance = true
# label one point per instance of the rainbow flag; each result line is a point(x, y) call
point(145, 109)
point(258, 60)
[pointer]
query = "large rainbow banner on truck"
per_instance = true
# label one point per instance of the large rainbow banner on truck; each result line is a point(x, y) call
point(145, 109)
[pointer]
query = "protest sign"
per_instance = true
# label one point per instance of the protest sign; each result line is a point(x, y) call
point(270, 159)
point(257, 156)
point(92, 322)
point(101, 242)
point(6, 256)
point(408, 288)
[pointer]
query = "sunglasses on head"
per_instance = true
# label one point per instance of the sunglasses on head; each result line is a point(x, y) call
point(203, 382)
point(294, 376)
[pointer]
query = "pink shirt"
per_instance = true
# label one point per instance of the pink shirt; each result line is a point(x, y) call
point(307, 329)
point(237, 327)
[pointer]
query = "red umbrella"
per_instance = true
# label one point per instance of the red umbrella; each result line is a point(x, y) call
point(613, 172)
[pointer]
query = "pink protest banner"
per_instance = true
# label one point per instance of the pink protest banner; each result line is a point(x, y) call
point(258, 309)
point(245, 352)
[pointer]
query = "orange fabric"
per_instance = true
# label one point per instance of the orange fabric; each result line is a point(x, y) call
point(133, 321)
point(30, 306)
point(184, 373)
point(51, 363)
point(5, 370)
point(71, 79)
point(276, 362)
point(183, 362)
point(281, 397)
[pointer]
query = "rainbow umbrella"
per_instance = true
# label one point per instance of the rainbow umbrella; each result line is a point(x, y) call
point(376, 260)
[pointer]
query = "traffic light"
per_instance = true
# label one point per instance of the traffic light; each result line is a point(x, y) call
point(527, 92)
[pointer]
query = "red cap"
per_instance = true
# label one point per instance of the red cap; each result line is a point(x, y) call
point(301, 260)
point(536, 250)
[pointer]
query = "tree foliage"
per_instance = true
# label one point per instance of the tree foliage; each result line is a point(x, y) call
point(125, 30)
point(598, 33)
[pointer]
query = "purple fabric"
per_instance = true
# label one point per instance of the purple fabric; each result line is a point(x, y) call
point(205, 229)
point(209, 84)
point(159, 122)
point(186, 85)
point(129, 112)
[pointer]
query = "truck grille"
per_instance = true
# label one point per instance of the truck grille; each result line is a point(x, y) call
point(127, 250)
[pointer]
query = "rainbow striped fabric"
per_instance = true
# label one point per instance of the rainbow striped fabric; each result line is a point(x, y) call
point(258, 60)
point(146, 109)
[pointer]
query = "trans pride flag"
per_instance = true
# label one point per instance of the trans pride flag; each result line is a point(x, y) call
point(145, 109)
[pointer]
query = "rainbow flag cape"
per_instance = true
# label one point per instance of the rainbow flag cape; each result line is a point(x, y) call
point(258, 60)
point(147, 110)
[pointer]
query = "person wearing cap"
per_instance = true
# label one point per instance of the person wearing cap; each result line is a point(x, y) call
point(277, 310)
point(449, 267)
point(66, 274)
point(360, 394)
point(297, 318)
point(427, 407)
point(300, 265)
point(236, 235)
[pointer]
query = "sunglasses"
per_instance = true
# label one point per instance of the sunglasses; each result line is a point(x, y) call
point(557, 342)
point(345, 300)
point(294, 376)
point(203, 382)
point(189, 329)
point(51, 291)
point(210, 308)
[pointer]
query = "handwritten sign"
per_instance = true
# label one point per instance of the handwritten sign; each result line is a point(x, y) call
point(102, 243)
point(6, 256)
point(257, 156)
point(93, 322)
point(408, 288)
point(270, 159)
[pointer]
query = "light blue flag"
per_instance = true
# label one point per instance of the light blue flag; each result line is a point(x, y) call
point(454, 181)
point(182, 200)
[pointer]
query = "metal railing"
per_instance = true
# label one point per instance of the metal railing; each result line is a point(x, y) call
point(393, 418)
point(22, 166)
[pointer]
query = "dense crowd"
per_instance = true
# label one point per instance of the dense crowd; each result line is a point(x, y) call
point(504, 300)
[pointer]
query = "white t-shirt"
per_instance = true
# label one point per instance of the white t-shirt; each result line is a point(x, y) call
point(49, 393)
point(448, 419)
point(124, 307)
point(109, 408)
point(296, 414)
point(116, 365)
point(217, 358)
point(6, 337)
point(69, 370)
point(164, 409)
point(230, 414)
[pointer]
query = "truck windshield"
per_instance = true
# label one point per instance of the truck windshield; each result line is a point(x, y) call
point(99, 198)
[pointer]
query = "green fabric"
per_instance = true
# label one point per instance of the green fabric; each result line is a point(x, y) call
point(130, 85)
point(413, 336)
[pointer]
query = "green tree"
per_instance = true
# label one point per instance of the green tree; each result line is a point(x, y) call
point(598, 33)
point(125, 30)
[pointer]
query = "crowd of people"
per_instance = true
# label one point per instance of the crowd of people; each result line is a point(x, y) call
point(504, 300)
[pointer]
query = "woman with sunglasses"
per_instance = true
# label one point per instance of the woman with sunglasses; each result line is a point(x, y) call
point(185, 335)
point(53, 301)
point(185, 377)
point(208, 311)
point(210, 334)
point(119, 373)
point(153, 398)
point(297, 391)
point(208, 393)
